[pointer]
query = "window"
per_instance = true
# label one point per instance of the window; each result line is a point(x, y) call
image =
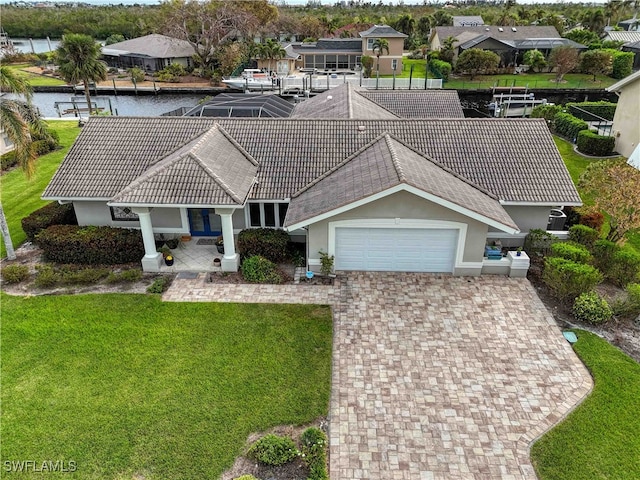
point(394, 64)
point(267, 215)
point(370, 43)
point(123, 214)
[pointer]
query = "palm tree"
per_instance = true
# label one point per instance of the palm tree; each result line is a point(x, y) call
point(18, 118)
point(380, 45)
point(277, 52)
point(78, 57)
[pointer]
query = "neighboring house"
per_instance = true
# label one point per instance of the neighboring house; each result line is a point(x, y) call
point(626, 121)
point(467, 21)
point(383, 194)
point(282, 66)
point(632, 24)
point(626, 37)
point(328, 53)
point(150, 53)
point(510, 43)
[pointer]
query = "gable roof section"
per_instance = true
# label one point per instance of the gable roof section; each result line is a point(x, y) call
point(381, 165)
point(419, 103)
point(382, 31)
point(344, 102)
point(210, 170)
point(464, 34)
point(154, 45)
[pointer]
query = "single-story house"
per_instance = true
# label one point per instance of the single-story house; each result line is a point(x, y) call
point(626, 122)
point(467, 20)
point(379, 194)
point(150, 53)
point(509, 42)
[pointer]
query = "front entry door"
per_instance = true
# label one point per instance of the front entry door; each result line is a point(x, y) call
point(204, 223)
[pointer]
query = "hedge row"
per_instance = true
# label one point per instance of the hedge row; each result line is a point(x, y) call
point(590, 143)
point(90, 245)
point(439, 68)
point(568, 126)
point(265, 242)
point(602, 109)
point(51, 214)
point(622, 63)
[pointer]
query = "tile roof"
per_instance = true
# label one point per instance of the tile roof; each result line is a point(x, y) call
point(154, 45)
point(384, 163)
point(341, 102)
point(419, 103)
point(464, 34)
point(626, 37)
point(467, 20)
point(382, 31)
point(196, 175)
point(496, 154)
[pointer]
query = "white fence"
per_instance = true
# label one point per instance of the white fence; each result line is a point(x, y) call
point(326, 82)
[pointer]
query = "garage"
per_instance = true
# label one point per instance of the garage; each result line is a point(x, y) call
point(395, 249)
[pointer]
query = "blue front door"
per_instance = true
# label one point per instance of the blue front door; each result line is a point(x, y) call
point(203, 222)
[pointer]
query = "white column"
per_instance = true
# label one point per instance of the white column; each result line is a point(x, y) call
point(231, 260)
point(152, 259)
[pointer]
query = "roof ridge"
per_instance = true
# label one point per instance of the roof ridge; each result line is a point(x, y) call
point(349, 101)
point(235, 143)
point(216, 178)
point(394, 158)
point(338, 166)
point(367, 99)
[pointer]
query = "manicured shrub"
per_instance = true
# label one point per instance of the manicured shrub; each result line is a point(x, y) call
point(266, 242)
point(568, 126)
point(592, 218)
point(622, 63)
point(439, 68)
point(82, 276)
point(630, 305)
point(603, 252)
point(15, 273)
point(567, 279)
point(590, 143)
point(548, 112)
point(602, 109)
point(584, 235)
point(257, 269)
point(51, 214)
point(274, 450)
point(90, 245)
point(625, 267)
point(314, 448)
point(571, 251)
point(591, 308)
point(246, 477)
point(159, 285)
point(126, 276)
point(137, 74)
point(8, 160)
point(47, 277)
point(538, 241)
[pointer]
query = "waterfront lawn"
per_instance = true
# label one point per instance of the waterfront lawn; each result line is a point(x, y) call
point(601, 438)
point(531, 80)
point(130, 387)
point(21, 196)
point(34, 79)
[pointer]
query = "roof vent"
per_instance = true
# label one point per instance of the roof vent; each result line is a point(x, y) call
point(513, 29)
point(486, 29)
point(500, 29)
point(361, 128)
point(330, 97)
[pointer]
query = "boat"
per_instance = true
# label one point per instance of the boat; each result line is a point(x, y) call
point(5, 42)
point(514, 104)
point(252, 79)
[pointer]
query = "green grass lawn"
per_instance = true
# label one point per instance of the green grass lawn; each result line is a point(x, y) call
point(130, 387)
point(36, 80)
point(21, 196)
point(601, 438)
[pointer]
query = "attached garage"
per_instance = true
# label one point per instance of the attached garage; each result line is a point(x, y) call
point(396, 249)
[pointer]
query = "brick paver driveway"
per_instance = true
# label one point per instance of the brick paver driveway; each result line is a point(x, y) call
point(445, 377)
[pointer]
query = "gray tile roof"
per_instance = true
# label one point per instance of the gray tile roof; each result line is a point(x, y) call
point(154, 45)
point(382, 31)
point(210, 170)
point(464, 34)
point(626, 37)
point(467, 20)
point(341, 102)
point(515, 159)
point(384, 163)
point(418, 104)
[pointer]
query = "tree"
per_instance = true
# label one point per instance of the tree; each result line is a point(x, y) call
point(594, 20)
point(115, 38)
point(615, 187)
point(447, 51)
point(585, 37)
point(18, 119)
point(380, 45)
point(78, 59)
point(476, 60)
point(596, 62)
point(563, 59)
point(209, 25)
point(535, 59)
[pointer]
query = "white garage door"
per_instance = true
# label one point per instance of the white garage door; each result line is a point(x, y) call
point(395, 249)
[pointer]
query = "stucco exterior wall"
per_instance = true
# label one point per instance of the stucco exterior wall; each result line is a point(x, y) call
point(164, 220)
point(528, 218)
point(403, 205)
point(396, 46)
point(626, 119)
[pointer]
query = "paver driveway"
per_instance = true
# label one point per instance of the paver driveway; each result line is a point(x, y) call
point(445, 377)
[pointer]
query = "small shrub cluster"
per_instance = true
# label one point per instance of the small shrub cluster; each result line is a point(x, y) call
point(568, 126)
point(624, 267)
point(51, 214)
point(257, 269)
point(137, 74)
point(602, 109)
point(266, 242)
point(584, 235)
point(538, 241)
point(591, 308)
point(622, 63)
point(439, 68)
point(314, 448)
point(548, 112)
point(8, 160)
point(567, 279)
point(603, 251)
point(125, 276)
point(571, 251)
point(15, 273)
point(159, 285)
point(171, 73)
point(630, 305)
point(590, 143)
point(90, 245)
point(591, 218)
point(274, 450)
point(50, 276)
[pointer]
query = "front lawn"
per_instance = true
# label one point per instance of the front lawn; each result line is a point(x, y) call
point(130, 387)
point(601, 438)
point(530, 80)
point(34, 79)
point(21, 196)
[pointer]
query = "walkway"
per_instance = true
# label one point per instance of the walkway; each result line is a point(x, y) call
point(433, 377)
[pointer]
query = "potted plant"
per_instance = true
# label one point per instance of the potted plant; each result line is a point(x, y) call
point(168, 260)
point(165, 251)
point(220, 244)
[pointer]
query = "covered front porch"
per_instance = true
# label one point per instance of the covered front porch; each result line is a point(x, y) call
point(196, 255)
